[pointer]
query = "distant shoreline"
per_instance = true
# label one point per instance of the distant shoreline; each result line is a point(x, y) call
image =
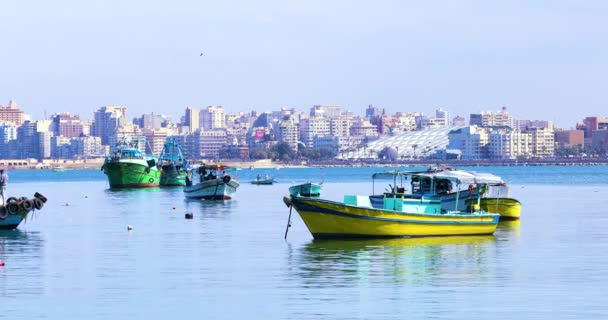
point(60, 165)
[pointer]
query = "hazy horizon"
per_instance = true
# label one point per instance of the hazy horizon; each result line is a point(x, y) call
point(543, 60)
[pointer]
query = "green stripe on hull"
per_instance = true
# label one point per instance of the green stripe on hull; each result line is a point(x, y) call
point(129, 174)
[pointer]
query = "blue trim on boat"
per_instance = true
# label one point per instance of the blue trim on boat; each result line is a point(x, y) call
point(300, 205)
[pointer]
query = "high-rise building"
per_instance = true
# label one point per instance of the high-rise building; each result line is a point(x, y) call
point(8, 132)
point(313, 127)
point(108, 120)
point(213, 117)
point(490, 118)
point(87, 147)
point(12, 114)
point(191, 118)
point(67, 125)
point(151, 121)
point(289, 133)
point(155, 140)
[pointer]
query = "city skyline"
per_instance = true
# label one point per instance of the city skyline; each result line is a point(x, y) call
point(464, 56)
point(177, 115)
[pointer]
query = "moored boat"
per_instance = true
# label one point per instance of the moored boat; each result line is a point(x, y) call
point(356, 218)
point(14, 211)
point(401, 215)
point(446, 184)
point(214, 183)
point(266, 180)
point(128, 168)
point(307, 189)
point(508, 208)
point(173, 167)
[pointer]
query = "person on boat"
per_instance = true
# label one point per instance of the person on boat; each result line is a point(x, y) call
point(211, 176)
point(258, 178)
point(3, 183)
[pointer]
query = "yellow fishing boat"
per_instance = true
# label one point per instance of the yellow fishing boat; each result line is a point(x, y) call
point(508, 208)
point(356, 218)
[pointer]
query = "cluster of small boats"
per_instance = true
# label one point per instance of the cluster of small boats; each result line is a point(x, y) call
point(128, 167)
point(434, 202)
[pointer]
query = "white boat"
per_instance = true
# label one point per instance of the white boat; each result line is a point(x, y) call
point(214, 184)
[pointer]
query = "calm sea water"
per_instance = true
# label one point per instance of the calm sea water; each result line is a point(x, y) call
point(76, 260)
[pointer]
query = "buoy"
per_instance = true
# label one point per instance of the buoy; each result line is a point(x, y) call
point(129, 227)
point(173, 207)
point(1, 263)
point(86, 197)
point(189, 215)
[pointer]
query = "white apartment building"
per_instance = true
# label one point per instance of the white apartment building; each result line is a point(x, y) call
point(210, 141)
point(213, 117)
point(490, 118)
point(469, 140)
point(191, 119)
point(543, 142)
point(498, 142)
point(406, 122)
point(313, 127)
point(289, 133)
point(340, 126)
point(363, 128)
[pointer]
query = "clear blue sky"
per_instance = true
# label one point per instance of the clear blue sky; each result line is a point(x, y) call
point(542, 59)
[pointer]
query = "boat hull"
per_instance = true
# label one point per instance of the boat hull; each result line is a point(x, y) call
point(215, 189)
point(328, 219)
point(12, 221)
point(508, 208)
point(131, 174)
point(306, 190)
point(262, 182)
point(173, 178)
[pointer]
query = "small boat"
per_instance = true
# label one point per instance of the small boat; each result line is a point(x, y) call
point(508, 208)
point(307, 189)
point(399, 216)
point(496, 199)
point(444, 183)
point(356, 218)
point(173, 167)
point(266, 180)
point(14, 211)
point(128, 168)
point(214, 183)
point(58, 168)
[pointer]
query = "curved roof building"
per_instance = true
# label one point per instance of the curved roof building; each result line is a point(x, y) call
point(408, 145)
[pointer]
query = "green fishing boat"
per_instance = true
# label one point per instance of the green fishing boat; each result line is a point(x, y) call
point(128, 168)
point(173, 167)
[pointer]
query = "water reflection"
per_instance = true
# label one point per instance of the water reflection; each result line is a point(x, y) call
point(16, 241)
point(22, 252)
point(509, 227)
point(216, 209)
point(337, 263)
